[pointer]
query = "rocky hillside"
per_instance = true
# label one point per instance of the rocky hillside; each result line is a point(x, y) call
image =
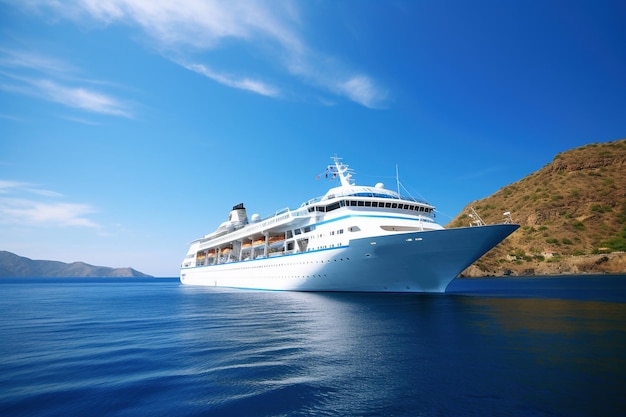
point(15, 266)
point(572, 214)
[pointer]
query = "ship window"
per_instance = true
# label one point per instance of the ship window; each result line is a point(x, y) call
point(368, 204)
point(388, 205)
point(289, 234)
point(332, 207)
point(353, 203)
point(297, 231)
point(394, 205)
point(360, 204)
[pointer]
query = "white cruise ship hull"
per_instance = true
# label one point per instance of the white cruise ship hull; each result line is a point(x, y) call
point(423, 261)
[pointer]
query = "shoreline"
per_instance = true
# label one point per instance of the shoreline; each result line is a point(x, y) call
point(598, 264)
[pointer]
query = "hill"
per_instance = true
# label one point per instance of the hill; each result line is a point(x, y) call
point(572, 214)
point(14, 266)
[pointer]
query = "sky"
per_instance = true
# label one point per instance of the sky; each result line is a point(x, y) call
point(129, 128)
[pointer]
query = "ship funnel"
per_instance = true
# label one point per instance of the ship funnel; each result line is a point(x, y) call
point(238, 214)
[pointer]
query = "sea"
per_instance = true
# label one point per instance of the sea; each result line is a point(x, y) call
point(153, 347)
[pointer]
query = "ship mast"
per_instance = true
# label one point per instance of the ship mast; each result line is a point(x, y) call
point(397, 180)
point(341, 170)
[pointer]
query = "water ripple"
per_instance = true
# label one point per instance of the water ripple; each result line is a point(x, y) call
point(127, 349)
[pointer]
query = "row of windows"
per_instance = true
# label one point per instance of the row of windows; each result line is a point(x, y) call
point(305, 229)
point(363, 203)
point(289, 264)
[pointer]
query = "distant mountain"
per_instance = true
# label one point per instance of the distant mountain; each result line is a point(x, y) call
point(14, 266)
point(572, 214)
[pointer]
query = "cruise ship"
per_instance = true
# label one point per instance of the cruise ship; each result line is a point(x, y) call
point(354, 238)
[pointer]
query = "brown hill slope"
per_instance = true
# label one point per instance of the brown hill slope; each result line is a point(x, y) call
point(572, 214)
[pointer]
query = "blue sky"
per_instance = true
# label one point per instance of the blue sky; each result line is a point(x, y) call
point(130, 127)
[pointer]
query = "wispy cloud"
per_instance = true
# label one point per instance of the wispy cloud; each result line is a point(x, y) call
point(20, 205)
point(11, 117)
point(82, 98)
point(7, 187)
point(47, 79)
point(184, 31)
point(11, 58)
point(51, 214)
point(248, 84)
point(362, 90)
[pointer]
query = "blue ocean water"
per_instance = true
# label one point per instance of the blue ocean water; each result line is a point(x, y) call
point(152, 347)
